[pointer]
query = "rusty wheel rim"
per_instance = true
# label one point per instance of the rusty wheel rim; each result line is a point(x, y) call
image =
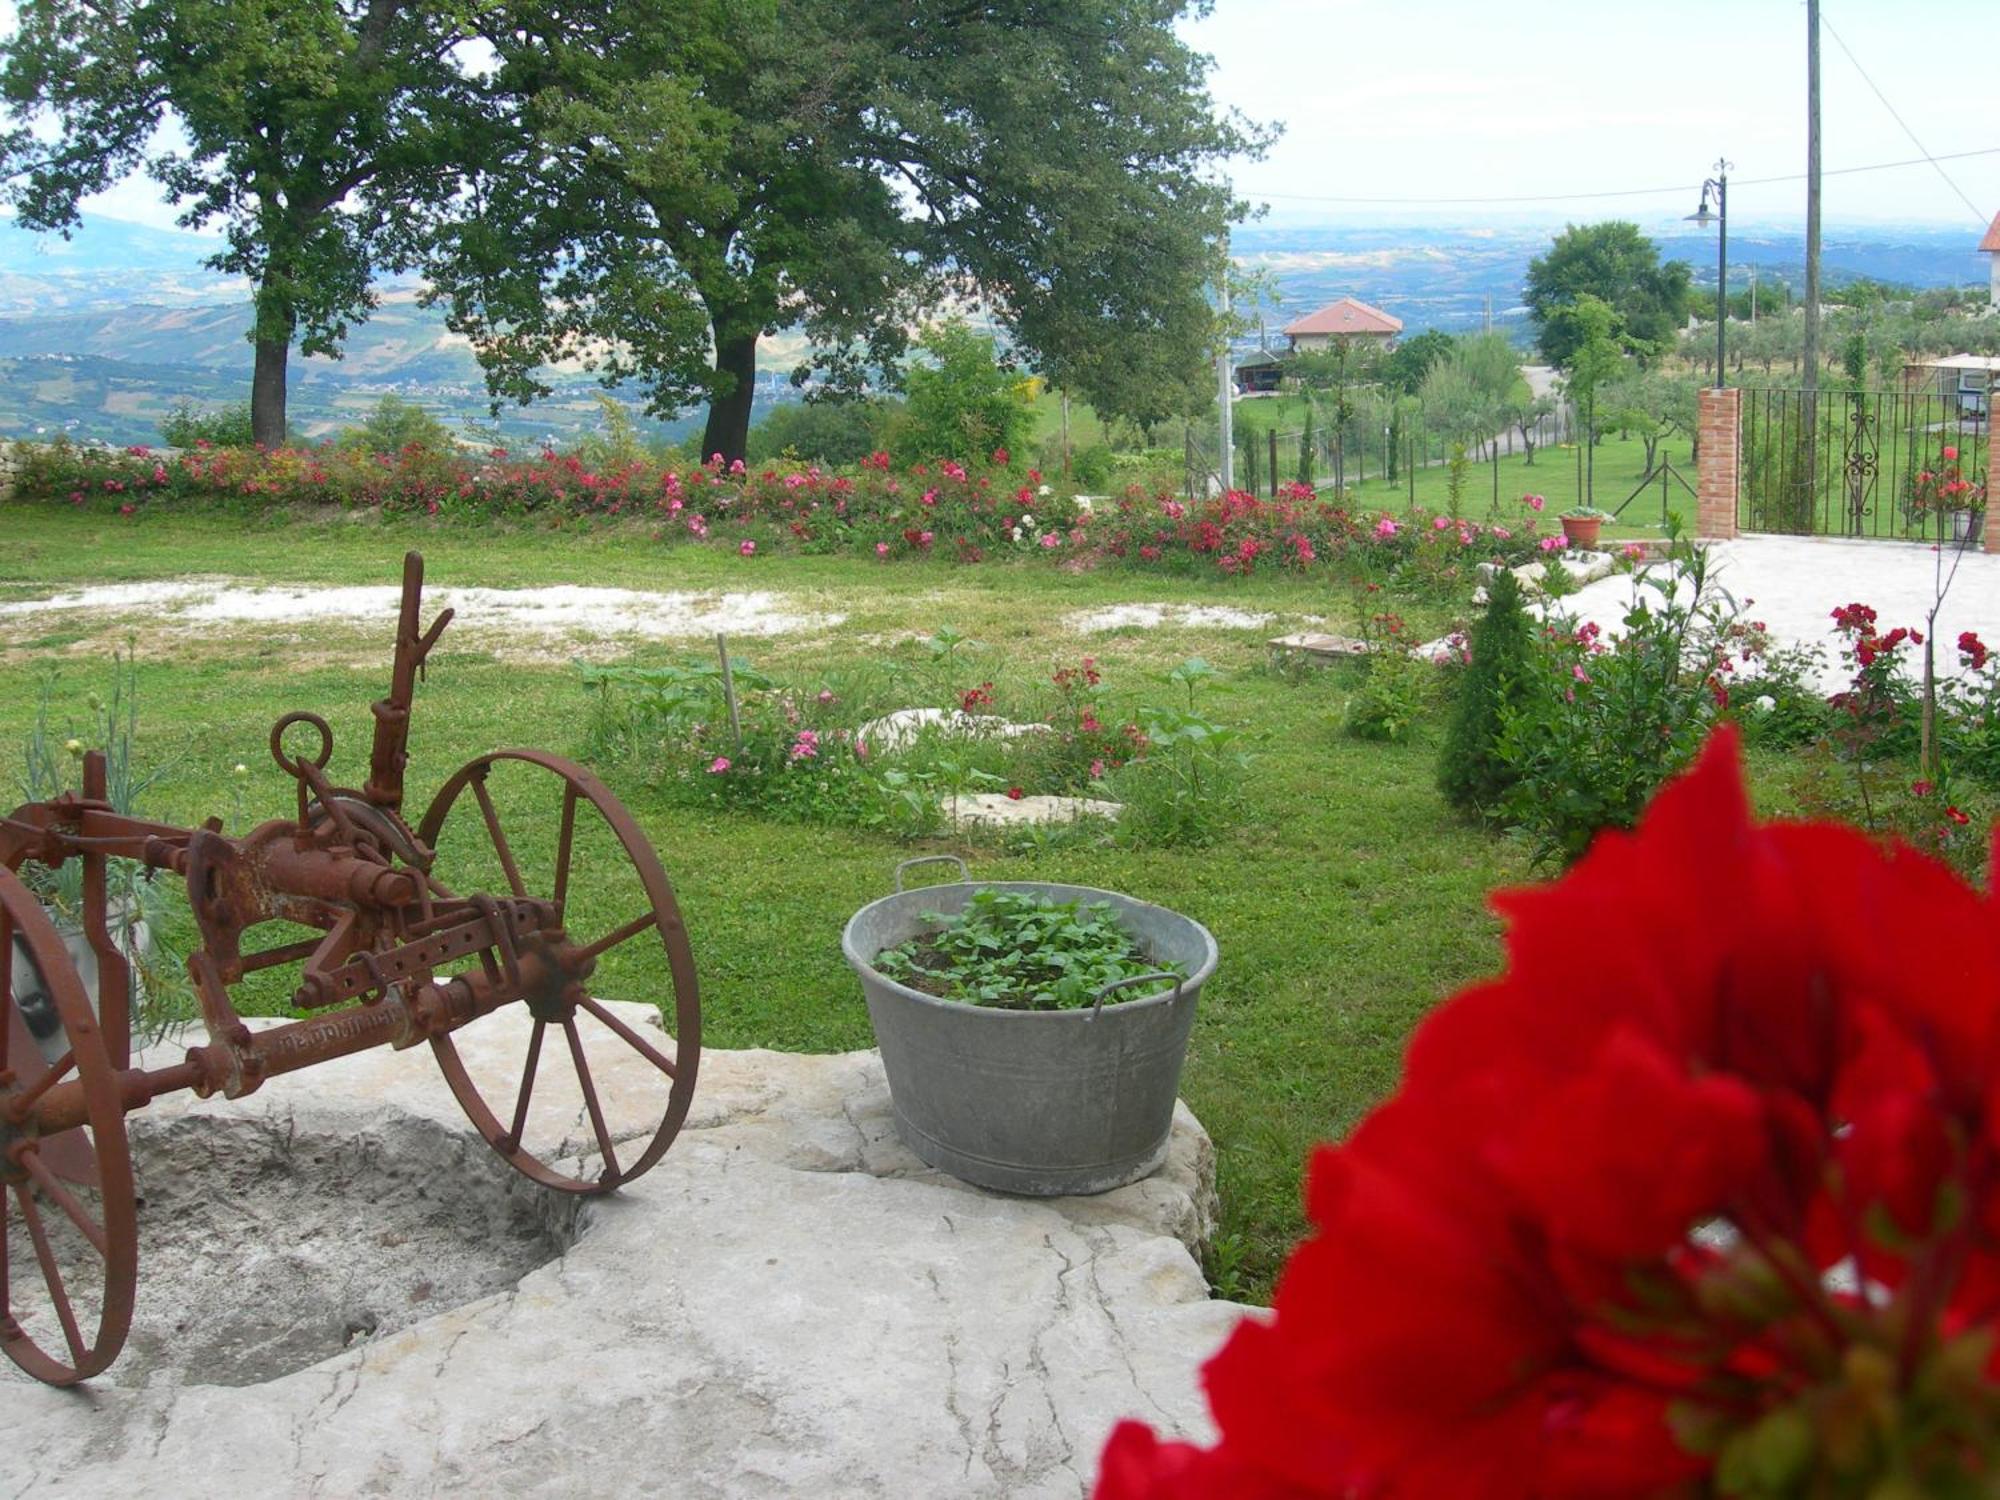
point(68, 1192)
point(587, 1028)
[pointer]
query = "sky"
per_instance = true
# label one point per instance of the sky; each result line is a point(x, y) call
point(1462, 99)
point(1469, 98)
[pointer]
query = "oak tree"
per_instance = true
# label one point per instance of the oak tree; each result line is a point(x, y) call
point(314, 132)
point(681, 180)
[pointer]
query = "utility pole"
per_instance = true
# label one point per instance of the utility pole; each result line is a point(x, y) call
point(1227, 468)
point(1812, 196)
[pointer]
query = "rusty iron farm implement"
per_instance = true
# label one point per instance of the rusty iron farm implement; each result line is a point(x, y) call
point(400, 958)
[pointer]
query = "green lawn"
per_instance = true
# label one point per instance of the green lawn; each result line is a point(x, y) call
point(1346, 904)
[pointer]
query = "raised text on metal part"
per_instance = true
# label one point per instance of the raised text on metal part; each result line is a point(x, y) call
point(333, 1029)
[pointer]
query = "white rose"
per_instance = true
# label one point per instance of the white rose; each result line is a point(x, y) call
point(1027, 520)
point(1043, 490)
point(1765, 703)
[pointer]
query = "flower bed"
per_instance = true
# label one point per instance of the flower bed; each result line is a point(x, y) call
point(968, 512)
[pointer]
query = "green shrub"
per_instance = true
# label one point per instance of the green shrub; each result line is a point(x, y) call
point(1092, 469)
point(394, 425)
point(1472, 773)
point(966, 404)
point(1393, 698)
point(187, 426)
point(1603, 726)
point(822, 432)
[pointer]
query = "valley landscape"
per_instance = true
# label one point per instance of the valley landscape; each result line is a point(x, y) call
point(102, 334)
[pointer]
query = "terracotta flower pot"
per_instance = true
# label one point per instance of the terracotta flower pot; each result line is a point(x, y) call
point(1582, 531)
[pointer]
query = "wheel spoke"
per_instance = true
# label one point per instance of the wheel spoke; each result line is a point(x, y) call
point(619, 935)
point(590, 1099)
point(66, 1201)
point(51, 1276)
point(6, 987)
point(563, 846)
point(519, 1132)
point(499, 839)
point(631, 1038)
point(25, 1101)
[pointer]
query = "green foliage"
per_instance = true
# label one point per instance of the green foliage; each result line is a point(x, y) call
point(684, 179)
point(396, 424)
point(1599, 730)
point(1188, 788)
point(1093, 469)
point(187, 426)
point(1782, 707)
point(51, 764)
point(1397, 694)
point(823, 432)
point(1405, 368)
point(1617, 264)
point(1473, 774)
point(1650, 404)
point(1017, 950)
point(315, 133)
point(964, 405)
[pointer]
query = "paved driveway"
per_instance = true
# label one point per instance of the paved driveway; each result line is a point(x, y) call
point(1793, 584)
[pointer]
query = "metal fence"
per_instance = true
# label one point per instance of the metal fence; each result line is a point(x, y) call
point(1342, 458)
point(1862, 464)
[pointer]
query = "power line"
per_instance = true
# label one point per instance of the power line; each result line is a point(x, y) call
point(1654, 192)
point(1901, 121)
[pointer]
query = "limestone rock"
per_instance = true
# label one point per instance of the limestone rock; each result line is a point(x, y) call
point(789, 1304)
point(998, 810)
point(899, 730)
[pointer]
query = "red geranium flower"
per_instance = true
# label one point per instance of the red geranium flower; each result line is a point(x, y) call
point(1714, 1157)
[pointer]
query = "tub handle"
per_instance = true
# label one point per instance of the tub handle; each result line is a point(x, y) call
point(964, 875)
point(1121, 984)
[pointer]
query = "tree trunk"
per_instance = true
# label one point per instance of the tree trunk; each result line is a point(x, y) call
point(267, 393)
point(728, 431)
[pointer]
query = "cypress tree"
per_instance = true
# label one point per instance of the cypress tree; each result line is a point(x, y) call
point(1471, 773)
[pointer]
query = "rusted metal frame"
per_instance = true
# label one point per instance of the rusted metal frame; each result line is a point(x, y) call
point(114, 972)
point(238, 1065)
point(51, 1273)
point(416, 959)
point(390, 752)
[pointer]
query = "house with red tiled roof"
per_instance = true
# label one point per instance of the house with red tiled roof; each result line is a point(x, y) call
point(1991, 245)
point(1345, 319)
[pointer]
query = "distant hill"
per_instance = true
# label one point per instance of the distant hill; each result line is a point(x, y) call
point(102, 333)
point(1435, 277)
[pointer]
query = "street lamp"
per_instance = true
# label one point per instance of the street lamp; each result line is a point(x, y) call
point(1718, 185)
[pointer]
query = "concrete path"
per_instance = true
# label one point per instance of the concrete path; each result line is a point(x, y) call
point(1793, 584)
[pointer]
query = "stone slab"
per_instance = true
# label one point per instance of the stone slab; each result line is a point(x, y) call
point(789, 1304)
point(1319, 643)
point(998, 810)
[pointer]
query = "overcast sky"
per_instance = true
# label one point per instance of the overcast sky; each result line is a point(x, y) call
point(1471, 99)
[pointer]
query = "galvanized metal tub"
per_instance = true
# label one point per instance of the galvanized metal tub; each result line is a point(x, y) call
point(1034, 1102)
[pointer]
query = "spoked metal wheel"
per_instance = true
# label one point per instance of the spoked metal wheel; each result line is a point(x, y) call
point(581, 1093)
point(69, 1234)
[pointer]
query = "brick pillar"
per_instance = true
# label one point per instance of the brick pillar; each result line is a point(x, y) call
point(1716, 470)
point(1992, 509)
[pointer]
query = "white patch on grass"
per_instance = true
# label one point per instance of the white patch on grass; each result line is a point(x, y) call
point(556, 610)
point(1152, 616)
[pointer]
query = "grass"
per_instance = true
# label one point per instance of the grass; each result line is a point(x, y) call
point(1346, 904)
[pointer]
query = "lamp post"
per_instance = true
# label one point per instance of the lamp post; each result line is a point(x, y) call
point(1718, 185)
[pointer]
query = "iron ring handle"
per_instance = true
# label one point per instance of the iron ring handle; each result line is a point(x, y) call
point(964, 875)
point(285, 763)
point(1120, 984)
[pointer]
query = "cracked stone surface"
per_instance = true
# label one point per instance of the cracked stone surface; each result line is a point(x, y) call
point(789, 1304)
